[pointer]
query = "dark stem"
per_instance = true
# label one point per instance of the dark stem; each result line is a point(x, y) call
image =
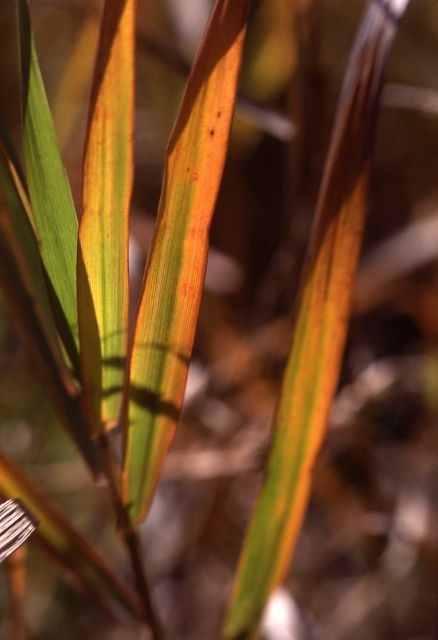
point(16, 568)
point(130, 539)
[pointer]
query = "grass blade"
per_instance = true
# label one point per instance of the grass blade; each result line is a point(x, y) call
point(312, 369)
point(88, 571)
point(174, 278)
point(18, 234)
point(16, 572)
point(52, 204)
point(23, 285)
point(103, 235)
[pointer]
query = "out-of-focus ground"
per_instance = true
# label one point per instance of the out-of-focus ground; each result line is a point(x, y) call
point(366, 565)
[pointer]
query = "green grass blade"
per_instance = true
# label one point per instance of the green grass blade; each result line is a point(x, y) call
point(312, 369)
point(103, 286)
point(89, 572)
point(23, 286)
point(172, 289)
point(52, 204)
point(19, 236)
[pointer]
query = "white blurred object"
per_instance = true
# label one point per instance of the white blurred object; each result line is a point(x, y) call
point(397, 6)
point(197, 380)
point(189, 20)
point(219, 417)
point(412, 520)
point(15, 527)
point(402, 96)
point(224, 275)
point(372, 382)
point(136, 259)
point(395, 258)
point(375, 381)
point(282, 619)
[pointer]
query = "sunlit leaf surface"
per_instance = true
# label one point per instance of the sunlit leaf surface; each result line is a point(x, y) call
point(174, 279)
point(103, 235)
point(54, 215)
point(320, 327)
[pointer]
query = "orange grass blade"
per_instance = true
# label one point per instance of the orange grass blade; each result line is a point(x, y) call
point(312, 369)
point(172, 289)
point(103, 234)
point(89, 572)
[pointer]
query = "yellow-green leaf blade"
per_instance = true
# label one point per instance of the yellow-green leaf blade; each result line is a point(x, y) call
point(54, 214)
point(24, 289)
point(310, 378)
point(81, 563)
point(174, 279)
point(103, 235)
point(18, 234)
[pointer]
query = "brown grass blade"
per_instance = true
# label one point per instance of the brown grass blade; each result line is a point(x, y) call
point(88, 571)
point(312, 369)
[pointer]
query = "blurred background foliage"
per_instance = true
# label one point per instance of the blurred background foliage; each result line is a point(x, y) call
point(367, 560)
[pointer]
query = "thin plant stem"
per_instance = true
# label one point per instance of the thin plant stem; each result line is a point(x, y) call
point(16, 569)
point(130, 539)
